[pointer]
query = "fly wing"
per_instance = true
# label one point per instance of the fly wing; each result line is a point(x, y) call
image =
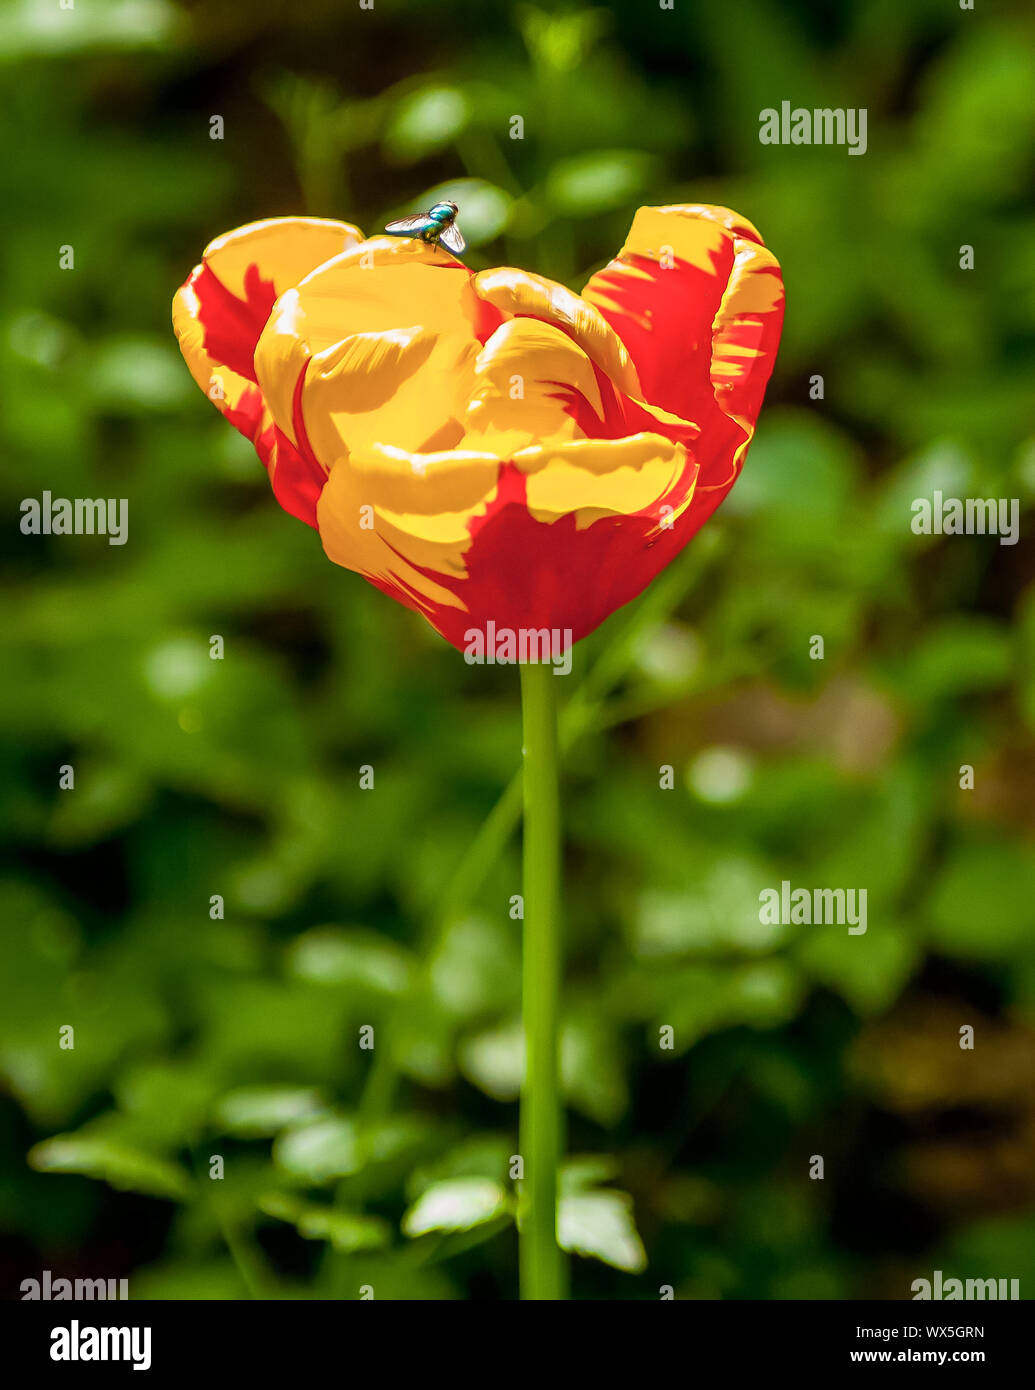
point(452, 239)
point(409, 226)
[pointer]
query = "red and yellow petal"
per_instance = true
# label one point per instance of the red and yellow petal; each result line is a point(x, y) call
point(219, 315)
point(403, 520)
point(698, 301)
point(573, 531)
point(575, 374)
point(559, 534)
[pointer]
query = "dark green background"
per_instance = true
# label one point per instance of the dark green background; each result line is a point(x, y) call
point(344, 907)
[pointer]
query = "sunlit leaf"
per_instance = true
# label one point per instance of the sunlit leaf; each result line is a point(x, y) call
point(29, 29)
point(426, 120)
point(117, 1163)
point(456, 1205)
point(600, 1224)
point(482, 1156)
point(341, 956)
point(495, 1061)
point(257, 1111)
point(318, 1151)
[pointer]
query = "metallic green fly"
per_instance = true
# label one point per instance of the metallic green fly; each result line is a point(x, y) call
point(437, 225)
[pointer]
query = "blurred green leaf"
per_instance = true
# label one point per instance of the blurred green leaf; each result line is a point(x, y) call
point(121, 1165)
point(870, 971)
point(29, 29)
point(263, 1111)
point(346, 1231)
point(132, 374)
point(559, 42)
point(319, 1150)
point(475, 967)
point(108, 798)
point(980, 906)
point(350, 956)
point(600, 1224)
point(586, 184)
point(166, 1101)
point(456, 1205)
point(959, 655)
point(425, 121)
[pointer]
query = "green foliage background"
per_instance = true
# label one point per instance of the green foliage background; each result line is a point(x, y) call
point(344, 907)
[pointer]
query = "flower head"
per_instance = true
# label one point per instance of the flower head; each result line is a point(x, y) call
point(491, 448)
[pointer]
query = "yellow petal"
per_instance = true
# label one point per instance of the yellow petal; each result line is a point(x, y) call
point(526, 378)
point(370, 378)
point(595, 478)
point(517, 292)
point(391, 515)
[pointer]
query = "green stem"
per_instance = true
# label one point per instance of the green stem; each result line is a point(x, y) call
point(582, 715)
point(543, 1273)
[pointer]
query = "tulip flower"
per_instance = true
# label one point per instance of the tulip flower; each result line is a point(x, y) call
point(500, 455)
point(491, 448)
